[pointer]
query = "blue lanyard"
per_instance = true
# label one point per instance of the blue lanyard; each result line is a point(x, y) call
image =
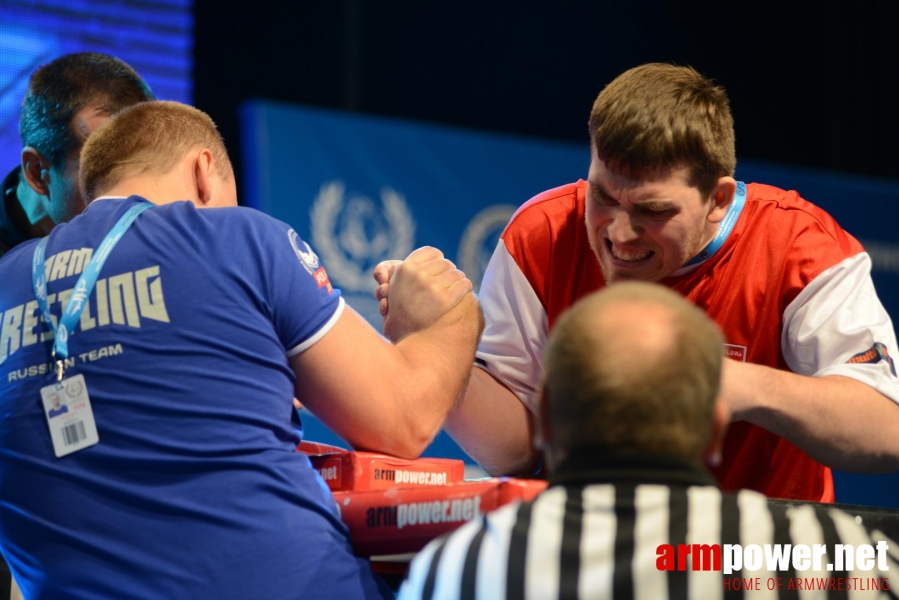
point(84, 286)
point(724, 228)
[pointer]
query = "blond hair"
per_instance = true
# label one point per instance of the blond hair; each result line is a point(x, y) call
point(147, 138)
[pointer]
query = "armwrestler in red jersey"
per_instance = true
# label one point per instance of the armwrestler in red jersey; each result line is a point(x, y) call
point(811, 384)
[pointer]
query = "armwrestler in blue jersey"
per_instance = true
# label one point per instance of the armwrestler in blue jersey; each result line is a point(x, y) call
point(201, 325)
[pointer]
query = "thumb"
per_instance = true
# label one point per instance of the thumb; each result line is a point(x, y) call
point(385, 269)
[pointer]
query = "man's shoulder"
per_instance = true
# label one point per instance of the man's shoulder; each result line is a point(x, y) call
point(227, 222)
point(784, 215)
point(23, 251)
point(558, 204)
point(238, 215)
point(548, 224)
point(787, 204)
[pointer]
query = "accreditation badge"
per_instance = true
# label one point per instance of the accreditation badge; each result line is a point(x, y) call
point(69, 415)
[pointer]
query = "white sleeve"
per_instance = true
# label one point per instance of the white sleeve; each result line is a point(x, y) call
point(515, 330)
point(836, 318)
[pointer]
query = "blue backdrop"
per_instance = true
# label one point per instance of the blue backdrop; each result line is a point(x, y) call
point(362, 189)
point(155, 37)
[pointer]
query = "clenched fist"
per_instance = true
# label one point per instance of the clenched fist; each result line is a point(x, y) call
point(421, 289)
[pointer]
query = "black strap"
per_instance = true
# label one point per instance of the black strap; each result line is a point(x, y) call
point(470, 567)
point(625, 516)
point(427, 591)
point(570, 553)
point(730, 534)
point(677, 534)
point(518, 550)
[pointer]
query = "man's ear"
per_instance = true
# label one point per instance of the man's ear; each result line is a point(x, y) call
point(36, 170)
point(542, 434)
point(204, 172)
point(720, 419)
point(722, 196)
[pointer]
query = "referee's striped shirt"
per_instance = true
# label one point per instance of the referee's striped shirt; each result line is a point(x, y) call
point(596, 531)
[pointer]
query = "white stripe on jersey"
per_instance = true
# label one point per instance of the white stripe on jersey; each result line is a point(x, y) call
point(418, 572)
point(650, 531)
point(312, 339)
point(757, 527)
point(448, 584)
point(701, 529)
point(849, 532)
point(597, 542)
point(545, 544)
point(804, 525)
point(493, 563)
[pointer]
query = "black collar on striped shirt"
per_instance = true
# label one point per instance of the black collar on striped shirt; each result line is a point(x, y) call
point(586, 466)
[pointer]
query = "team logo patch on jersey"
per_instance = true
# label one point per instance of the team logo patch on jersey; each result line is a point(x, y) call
point(310, 261)
point(735, 352)
point(307, 257)
point(878, 352)
point(321, 278)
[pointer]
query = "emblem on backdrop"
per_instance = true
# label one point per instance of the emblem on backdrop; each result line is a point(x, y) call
point(353, 233)
point(480, 238)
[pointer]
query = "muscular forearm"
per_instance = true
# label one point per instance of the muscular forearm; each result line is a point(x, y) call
point(387, 397)
point(494, 427)
point(838, 421)
point(434, 371)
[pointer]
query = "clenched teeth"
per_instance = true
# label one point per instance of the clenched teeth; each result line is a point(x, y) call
point(630, 255)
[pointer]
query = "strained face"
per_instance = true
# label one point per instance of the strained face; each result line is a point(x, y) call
point(645, 230)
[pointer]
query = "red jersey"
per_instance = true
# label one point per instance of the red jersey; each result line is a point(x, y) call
point(789, 288)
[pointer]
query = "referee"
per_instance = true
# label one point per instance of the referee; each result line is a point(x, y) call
point(629, 414)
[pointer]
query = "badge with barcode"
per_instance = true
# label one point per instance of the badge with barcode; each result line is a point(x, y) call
point(69, 415)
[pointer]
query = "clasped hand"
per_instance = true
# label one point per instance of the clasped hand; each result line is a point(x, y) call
point(421, 289)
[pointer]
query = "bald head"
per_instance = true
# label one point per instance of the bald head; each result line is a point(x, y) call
point(633, 367)
point(634, 336)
